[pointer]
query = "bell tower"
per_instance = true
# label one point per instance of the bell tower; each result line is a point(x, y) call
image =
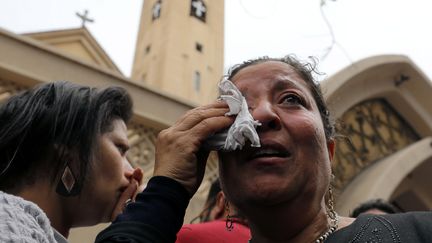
point(180, 47)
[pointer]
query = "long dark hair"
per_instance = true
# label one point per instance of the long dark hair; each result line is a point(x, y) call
point(41, 127)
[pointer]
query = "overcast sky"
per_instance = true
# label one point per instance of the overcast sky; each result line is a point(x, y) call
point(255, 28)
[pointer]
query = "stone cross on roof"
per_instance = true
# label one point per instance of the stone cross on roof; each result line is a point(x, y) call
point(84, 18)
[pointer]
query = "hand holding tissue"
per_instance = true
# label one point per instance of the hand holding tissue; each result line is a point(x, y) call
point(244, 127)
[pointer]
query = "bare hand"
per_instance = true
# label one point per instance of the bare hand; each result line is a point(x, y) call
point(179, 154)
point(135, 187)
point(138, 175)
point(127, 194)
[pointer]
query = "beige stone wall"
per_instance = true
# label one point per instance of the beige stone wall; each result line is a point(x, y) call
point(78, 43)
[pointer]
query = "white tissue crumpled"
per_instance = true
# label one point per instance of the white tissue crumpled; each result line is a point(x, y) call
point(244, 126)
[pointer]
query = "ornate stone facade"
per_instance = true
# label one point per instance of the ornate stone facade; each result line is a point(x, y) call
point(8, 88)
point(142, 147)
point(368, 132)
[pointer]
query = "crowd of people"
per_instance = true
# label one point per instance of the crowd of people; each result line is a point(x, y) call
point(63, 165)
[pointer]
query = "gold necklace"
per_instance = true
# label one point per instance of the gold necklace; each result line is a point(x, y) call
point(335, 224)
point(325, 235)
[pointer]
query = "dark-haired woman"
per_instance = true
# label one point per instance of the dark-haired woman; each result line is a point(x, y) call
point(63, 160)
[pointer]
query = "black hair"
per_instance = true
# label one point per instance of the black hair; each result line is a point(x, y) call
point(210, 203)
point(215, 188)
point(379, 204)
point(306, 71)
point(41, 127)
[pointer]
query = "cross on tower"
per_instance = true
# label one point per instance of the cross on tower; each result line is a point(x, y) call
point(200, 9)
point(84, 18)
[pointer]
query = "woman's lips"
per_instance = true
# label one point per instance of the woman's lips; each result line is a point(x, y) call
point(269, 152)
point(269, 155)
point(269, 149)
point(268, 161)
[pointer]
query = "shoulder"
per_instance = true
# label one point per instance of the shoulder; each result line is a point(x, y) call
point(418, 223)
point(406, 227)
point(14, 208)
point(412, 217)
point(412, 222)
point(22, 220)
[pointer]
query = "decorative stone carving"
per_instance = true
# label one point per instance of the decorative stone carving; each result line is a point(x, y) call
point(142, 147)
point(8, 88)
point(369, 131)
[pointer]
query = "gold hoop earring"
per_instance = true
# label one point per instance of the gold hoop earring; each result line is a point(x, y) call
point(330, 205)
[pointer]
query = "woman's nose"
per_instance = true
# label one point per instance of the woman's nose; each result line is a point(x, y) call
point(127, 168)
point(267, 116)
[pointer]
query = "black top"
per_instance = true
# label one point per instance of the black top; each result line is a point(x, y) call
point(389, 228)
point(157, 216)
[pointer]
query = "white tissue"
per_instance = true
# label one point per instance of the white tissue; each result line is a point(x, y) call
point(244, 127)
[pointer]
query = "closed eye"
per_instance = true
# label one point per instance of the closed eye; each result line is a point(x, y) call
point(122, 148)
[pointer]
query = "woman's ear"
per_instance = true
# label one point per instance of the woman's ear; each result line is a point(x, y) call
point(218, 211)
point(331, 146)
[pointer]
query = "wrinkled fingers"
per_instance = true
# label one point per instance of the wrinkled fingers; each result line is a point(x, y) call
point(195, 116)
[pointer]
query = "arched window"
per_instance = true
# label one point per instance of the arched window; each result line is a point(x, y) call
point(370, 130)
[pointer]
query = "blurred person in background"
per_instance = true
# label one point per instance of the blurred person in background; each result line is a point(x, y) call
point(374, 206)
point(219, 221)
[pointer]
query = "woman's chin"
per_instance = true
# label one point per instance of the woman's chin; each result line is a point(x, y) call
point(265, 195)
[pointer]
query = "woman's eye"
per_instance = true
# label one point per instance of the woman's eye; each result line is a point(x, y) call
point(123, 149)
point(292, 99)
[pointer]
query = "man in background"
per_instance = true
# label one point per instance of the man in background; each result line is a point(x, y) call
point(219, 222)
point(375, 206)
